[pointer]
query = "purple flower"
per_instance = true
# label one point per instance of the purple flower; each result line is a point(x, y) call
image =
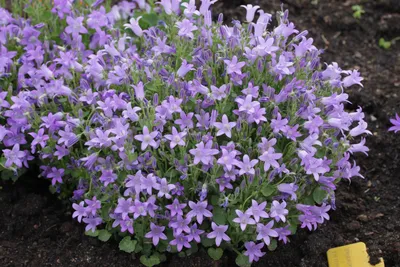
point(353, 78)
point(147, 138)
point(164, 188)
point(124, 207)
point(233, 66)
point(199, 210)
point(92, 206)
point(289, 189)
point(139, 209)
point(180, 241)
point(218, 93)
point(176, 208)
point(264, 232)
point(75, 26)
point(127, 225)
point(243, 219)
point(179, 224)
point(279, 124)
point(194, 233)
point(225, 126)
point(148, 183)
point(108, 177)
point(92, 223)
point(257, 210)
point(39, 138)
point(186, 28)
point(176, 138)
point(185, 120)
point(15, 156)
point(80, 211)
point(134, 26)
point(278, 211)
point(184, 68)
point(227, 159)
point(253, 251)
point(218, 233)
point(247, 166)
point(283, 233)
point(360, 147)
point(251, 11)
point(203, 153)
point(396, 124)
point(156, 233)
point(55, 175)
point(247, 105)
point(269, 158)
point(361, 128)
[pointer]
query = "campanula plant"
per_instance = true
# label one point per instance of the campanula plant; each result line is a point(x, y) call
point(173, 133)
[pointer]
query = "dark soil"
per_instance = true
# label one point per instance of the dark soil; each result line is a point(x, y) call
point(36, 229)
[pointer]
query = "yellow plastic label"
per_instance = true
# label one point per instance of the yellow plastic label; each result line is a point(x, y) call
point(354, 255)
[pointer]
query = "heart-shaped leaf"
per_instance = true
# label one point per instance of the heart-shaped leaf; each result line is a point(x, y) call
point(104, 235)
point(215, 253)
point(127, 244)
point(150, 261)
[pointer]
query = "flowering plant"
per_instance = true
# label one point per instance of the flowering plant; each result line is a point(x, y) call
point(168, 130)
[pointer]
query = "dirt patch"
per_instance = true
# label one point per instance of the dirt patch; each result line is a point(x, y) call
point(36, 229)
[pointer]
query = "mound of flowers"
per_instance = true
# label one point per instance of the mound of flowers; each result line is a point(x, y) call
point(171, 132)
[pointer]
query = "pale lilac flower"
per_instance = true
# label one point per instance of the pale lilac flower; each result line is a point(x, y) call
point(396, 124)
point(139, 209)
point(15, 156)
point(164, 188)
point(361, 128)
point(92, 223)
point(218, 93)
point(156, 233)
point(184, 68)
point(55, 175)
point(253, 251)
point(360, 147)
point(243, 219)
point(190, 9)
point(278, 211)
point(180, 241)
point(233, 66)
point(75, 26)
point(227, 159)
point(134, 26)
point(180, 225)
point(186, 28)
point(251, 11)
point(124, 207)
point(167, 5)
point(224, 127)
point(199, 210)
point(148, 183)
point(131, 113)
point(80, 211)
point(107, 177)
point(194, 233)
point(176, 208)
point(257, 210)
point(185, 120)
point(203, 153)
point(147, 138)
point(218, 233)
point(247, 166)
point(127, 225)
point(205, 5)
point(279, 124)
point(265, 232)
point(353, 78)
point(265, 47)
point(283, 233)
point(289, 189)
point(92, 206)
point(176, 138)
point(269, 158)
point(139, 91)
point(247, 105)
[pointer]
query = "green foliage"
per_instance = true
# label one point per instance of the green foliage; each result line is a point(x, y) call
point(242, 261)
point(104, 235)
point(358, 11)
point(215, 253)
point(150, 261)
point(127, 244)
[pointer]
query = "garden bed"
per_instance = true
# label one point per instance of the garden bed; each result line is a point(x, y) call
point(37, 230)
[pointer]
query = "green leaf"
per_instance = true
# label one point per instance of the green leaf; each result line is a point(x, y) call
point(206, 242)
point(193, 249)
point(127, 244)
point(319, 195)
point(150, 261)
point(242, 261)
point(219, 215)
point(272, 246)
point(214, 200)
point(148, 20)
point(267, 190)
point(104, 235)
point(92, 234)
point(215, 253)
point(384, 44)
